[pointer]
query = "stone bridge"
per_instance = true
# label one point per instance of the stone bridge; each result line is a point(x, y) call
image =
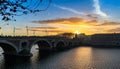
point(21, 46)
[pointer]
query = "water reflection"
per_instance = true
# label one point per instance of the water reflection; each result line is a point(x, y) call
point(77, 58)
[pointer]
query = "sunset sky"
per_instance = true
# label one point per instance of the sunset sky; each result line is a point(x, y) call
point(85, 16)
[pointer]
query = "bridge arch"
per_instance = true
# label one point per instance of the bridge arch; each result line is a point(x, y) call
point(60, 44)
point(42, 43)
point(8, 48)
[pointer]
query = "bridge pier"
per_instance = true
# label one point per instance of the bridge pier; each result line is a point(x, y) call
point(24, 53)
point(25, 49)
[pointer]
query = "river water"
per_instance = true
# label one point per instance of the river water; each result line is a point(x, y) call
point(76, 58)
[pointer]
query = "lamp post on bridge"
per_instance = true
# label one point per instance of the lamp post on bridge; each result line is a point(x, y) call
point(34, 32)
point(14, 31)
point(27, 30)
point(46, 31)
point(1, 28)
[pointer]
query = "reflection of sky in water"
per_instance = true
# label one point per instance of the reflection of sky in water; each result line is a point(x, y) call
point(77, 58)
point(1, 51)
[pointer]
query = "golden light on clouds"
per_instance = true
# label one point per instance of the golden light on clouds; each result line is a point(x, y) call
point(87, 26)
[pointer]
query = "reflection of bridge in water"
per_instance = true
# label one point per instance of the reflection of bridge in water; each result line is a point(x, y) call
point(21, 46)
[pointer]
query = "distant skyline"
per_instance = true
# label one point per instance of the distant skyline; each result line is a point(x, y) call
point(84, 16)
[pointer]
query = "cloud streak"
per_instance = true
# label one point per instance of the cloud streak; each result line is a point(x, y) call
point(75, 21)
point(98, 10)
point(115, 30)
point(53, 31)
point(68, 21)
point(69, 9)
point(47, 29)
point(109, 24)
point(83, 25)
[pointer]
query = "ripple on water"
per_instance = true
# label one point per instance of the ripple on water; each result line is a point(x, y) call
point(77, 58)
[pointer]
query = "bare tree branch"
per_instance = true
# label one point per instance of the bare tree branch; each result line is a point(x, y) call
point(11, 8)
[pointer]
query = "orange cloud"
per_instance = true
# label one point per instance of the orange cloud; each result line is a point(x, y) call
point(53, 30)
point(115, 30)
point(109, 24)
point(77, 21)
point(83, 25)
point(72, 21)
point(92, 23)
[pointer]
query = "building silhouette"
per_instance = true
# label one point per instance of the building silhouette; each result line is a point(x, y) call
point(106, 40)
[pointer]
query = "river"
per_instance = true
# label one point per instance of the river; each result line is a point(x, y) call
point(76, 58)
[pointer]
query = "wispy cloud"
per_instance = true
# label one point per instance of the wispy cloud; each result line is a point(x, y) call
point(109, 24)
point(67, 21)
point(49, 30)
point(81, 24)
point(115, 30)
point(75, 21)
point(69, 9)
point(53, 31)
point(98, 10)
point(92, 17)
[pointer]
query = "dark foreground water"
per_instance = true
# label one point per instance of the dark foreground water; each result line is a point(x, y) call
point(77, 58)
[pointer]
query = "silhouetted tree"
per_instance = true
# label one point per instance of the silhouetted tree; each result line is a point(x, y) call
point(11, 8)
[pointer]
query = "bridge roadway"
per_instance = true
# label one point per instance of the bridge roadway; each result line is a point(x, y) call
point(21, 46)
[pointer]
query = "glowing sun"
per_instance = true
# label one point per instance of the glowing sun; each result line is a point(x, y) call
point(76, 32)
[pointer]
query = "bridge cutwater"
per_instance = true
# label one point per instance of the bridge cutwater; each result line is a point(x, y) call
point(21, 46)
